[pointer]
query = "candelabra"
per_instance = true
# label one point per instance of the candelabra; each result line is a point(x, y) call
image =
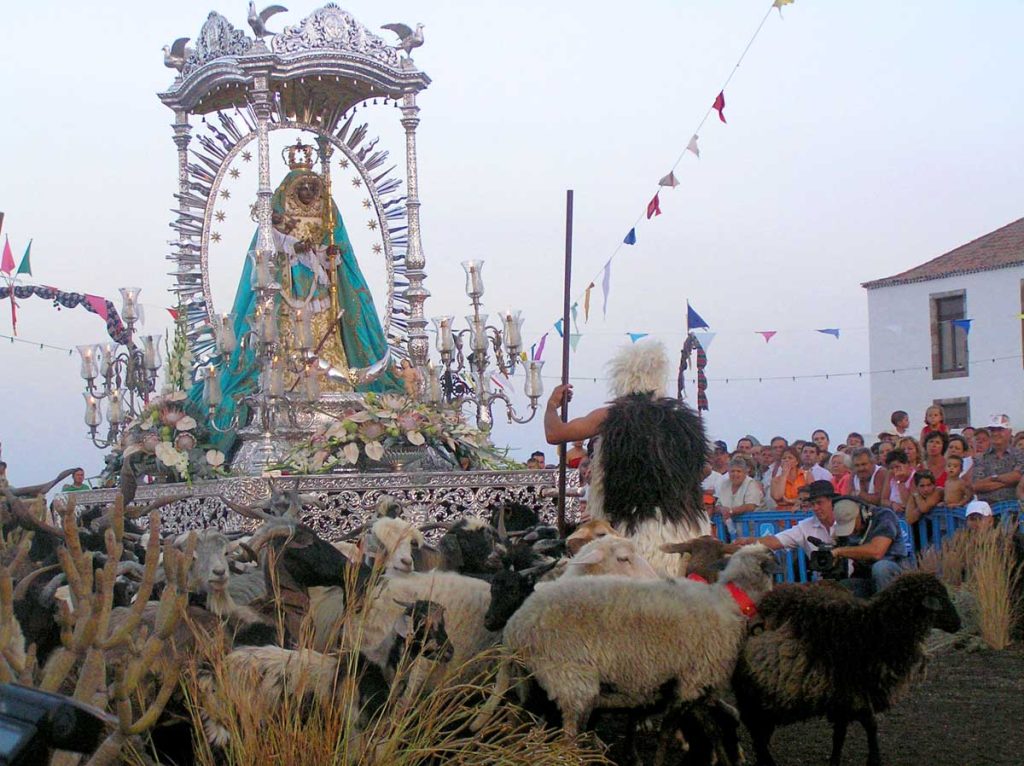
point(122, 375)
point(280, 338)
point(480, 337)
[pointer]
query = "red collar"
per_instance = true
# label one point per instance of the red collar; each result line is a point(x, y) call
point(696, 578)
point(746, 604)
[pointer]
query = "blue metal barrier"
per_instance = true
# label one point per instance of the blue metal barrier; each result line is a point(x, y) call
point(932, 530)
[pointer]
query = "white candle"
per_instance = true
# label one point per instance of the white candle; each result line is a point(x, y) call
point(474, 278)
point(513, 325)
point(268, 327)
point(478, 332)
point(534, 382)
point(275, 378)
point(151, 353)
point(311, 385)
point(115, 412)
point(92, 411)
point(226, 339)
point(445, 339)
point(433, 385)
point(260, 276)
point(88, 354)
point(303, 330)
point(129, 303)
point(107, 350)
point(211, 387)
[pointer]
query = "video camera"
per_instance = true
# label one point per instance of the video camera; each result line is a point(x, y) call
point(33, 723)
point(824, 562)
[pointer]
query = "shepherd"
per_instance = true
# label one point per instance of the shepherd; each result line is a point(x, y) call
point(649, 453)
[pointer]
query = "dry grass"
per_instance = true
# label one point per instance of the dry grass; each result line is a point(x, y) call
point(985, 564)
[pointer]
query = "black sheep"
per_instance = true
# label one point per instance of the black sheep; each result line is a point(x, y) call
point(823, 652)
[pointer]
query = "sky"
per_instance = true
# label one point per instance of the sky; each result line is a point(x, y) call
point(862, 139)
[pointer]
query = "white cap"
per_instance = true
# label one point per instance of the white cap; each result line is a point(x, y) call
point(999, 421)
point(979, 507)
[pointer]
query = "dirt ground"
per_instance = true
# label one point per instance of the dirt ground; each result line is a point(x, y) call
point(969, 711)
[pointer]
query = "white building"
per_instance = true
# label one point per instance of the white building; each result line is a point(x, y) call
point(917, 328)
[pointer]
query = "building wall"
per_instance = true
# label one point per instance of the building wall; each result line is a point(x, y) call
point(899, 321)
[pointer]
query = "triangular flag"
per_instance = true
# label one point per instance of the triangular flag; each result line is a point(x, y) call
point(653, 209)
point(533, 352)
point(98, 304)
point(558, 328)
point(25, 267)
point(692, 146)
point(963, 323)
point(779, 3)
point(629, 239)
point(705, 338)
point(693, 319)
point(574, 340)
point(173, 313)
point(575, 315)
point(586, 302)
point(766, 334)
point(635, 336)
point(719, 106)
point(7, 262)
point(833, 331)
point(540, 348)
point(669, 180)
point(606, 285)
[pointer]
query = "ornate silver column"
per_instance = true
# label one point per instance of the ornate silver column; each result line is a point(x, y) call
point(182, 137)
point(261, 104)
point(419, 344)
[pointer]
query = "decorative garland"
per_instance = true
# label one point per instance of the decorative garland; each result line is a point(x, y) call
point(93, 303)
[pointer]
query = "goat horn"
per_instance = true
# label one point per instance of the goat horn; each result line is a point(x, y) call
point(134, 512)
point(249, 552)
point(502, 530)
point(354, 533)
point(249, 513)
point(49, 591)
point(405, 604)
point(268, 533)
point(435, 525)
point(22, 587)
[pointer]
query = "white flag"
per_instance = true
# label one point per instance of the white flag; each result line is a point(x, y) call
point(692, 146)
point(669, 180)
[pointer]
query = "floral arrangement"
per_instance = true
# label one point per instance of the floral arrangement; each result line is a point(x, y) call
point(361, 437)
point(167, 443)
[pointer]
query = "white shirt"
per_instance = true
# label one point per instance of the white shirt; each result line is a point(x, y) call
point(749, 493)
point(820, 474)
point(796, 536)
point(710, 484)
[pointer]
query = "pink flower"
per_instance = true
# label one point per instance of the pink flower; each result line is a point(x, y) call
point(409, 421)
point(371, 431)
point(170, 416)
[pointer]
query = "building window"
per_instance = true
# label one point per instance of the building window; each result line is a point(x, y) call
point(949, 338)
point(958, 411)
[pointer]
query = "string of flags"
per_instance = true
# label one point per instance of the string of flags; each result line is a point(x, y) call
point(670, 181)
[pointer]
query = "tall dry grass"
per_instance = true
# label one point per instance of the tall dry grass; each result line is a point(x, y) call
point(984, 563)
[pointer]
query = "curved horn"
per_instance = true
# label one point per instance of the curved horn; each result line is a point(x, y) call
point(49, 591)
point(249, 552)
point(358, 532)
point(22, 587)
point(134, 512)
point(249, 513)
point(269, 532)
point(502, 530)
point(435, 525)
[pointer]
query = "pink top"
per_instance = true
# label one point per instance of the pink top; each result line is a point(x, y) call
point(842, 486)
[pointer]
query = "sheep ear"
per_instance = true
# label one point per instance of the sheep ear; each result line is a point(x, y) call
point(595, 556)
point(403, 625)
point(675, 548)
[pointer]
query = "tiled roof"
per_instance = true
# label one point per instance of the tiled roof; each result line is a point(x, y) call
point(996, 250)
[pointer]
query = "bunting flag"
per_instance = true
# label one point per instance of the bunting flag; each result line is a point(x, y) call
point(779, 3)
point(692, 146)
point(7, 261)
point(174, 313)
point(558, 328)
point(586, 303)
point(25, 267)
point(574, 340)
point(705, 338)
point(540, 348)
point(669, 180)
point(719, 106)
point(635, 336)
point(98, 304)
point(965, 324)
point(629, 239)
point(606, 285)
point(575, 309)
point(693, 319)
point(533, 352)
point(766, 334)
point(653, 209)
point(833, 331)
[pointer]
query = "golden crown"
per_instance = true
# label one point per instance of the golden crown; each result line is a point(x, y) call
point(299, 156)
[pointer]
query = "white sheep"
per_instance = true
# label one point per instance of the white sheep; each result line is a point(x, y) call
point(465, 601)
point(609, 555)
point(612, 641)
point(390, 543)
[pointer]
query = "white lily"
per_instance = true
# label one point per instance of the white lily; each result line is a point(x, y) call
point(351, 453)
point(415, 437)
point(215, 457)
point(374, 450)
point(186, 423)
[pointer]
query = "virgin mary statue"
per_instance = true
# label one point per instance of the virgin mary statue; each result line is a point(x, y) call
point(317, 256)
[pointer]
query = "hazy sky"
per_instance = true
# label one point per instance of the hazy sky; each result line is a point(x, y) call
point(863, 138)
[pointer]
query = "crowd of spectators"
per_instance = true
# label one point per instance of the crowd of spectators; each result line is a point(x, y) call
point(910, 476)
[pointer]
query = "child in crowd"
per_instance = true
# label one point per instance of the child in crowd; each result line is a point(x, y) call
point(956, 494)
point(934, 420)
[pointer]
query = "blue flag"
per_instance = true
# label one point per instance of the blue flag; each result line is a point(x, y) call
point(693, 319)
point(558, 328)
point(963, 323)
point(833, 331)
point(631, 237)
point(635, 336)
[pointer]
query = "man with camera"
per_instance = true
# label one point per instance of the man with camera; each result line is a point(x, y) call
point(881, 553)
point(818, 527)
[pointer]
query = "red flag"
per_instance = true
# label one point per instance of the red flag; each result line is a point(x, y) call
point(173, 313)
point(767, 334)
point(7, 263)
point(98, 304)
point(653, 207)
point(719, 106)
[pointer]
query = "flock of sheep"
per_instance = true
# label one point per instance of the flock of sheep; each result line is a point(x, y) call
point(568, 626)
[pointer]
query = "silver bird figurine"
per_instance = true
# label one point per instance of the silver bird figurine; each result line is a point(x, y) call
point(258, 21)
point(175, 55)
point(407, 39)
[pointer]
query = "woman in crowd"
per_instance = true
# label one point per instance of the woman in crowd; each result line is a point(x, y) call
point(959, 447)
point(786, 484)
point(912, 447)
point(935, 444)
point(737, 492)
point(923, 498)
point(934, 420)
point(840, 465)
